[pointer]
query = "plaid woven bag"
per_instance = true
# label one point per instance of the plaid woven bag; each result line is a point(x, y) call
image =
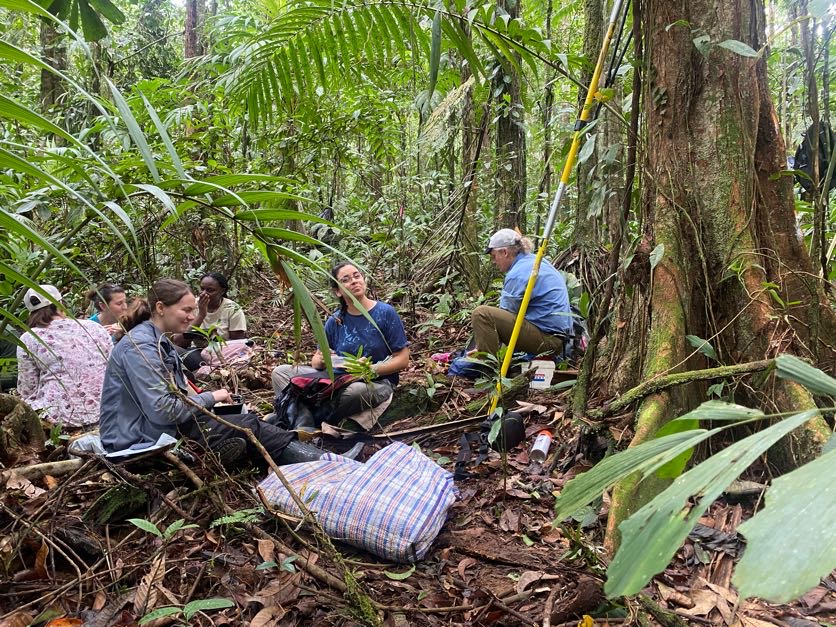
point(393, 506)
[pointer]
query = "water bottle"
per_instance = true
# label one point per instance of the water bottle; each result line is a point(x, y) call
point(540, 449)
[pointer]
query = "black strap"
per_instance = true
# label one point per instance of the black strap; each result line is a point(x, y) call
point(465, 451)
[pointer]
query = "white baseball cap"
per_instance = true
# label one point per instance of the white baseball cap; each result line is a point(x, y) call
point(35, 299)
point(503, 238)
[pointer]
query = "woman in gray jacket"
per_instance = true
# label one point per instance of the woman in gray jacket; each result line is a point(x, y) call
point(144, 392)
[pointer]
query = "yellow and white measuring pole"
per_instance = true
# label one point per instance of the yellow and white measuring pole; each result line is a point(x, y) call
point(571, 158)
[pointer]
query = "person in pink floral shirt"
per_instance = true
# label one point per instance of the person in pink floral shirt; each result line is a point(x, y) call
point(61, 368)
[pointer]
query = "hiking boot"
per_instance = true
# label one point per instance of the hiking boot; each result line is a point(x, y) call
point(229, 450)
point(297, 452)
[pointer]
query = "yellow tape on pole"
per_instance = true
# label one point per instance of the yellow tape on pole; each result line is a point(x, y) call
point(586, 112)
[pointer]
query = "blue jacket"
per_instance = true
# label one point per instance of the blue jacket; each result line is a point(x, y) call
point(140, 399)
point(548, 309)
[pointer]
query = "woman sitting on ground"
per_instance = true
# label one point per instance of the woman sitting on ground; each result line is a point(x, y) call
point(215, 310)
point(62, 362)
point(111, 305)
point(348, 330)
point(219, 315)
point(146, 394)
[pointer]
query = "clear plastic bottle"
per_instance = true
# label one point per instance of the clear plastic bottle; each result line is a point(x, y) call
point(540, 449)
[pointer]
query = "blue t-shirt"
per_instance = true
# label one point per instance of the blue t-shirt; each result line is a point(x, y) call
point(357, 331)
point(548, 309)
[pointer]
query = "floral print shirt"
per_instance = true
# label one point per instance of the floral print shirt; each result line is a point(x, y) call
point(62, 369)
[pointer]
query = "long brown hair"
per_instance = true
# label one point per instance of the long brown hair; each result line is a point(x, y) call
point(40, 318)
point(165, 291)
point(102, 295)
point(335, 284)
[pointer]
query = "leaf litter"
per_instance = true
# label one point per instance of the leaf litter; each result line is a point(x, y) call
point(500, 560)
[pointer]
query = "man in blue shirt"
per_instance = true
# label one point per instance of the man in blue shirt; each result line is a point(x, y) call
point(548, 319)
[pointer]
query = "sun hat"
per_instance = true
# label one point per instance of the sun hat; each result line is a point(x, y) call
point(503, 238)
point(35, 300)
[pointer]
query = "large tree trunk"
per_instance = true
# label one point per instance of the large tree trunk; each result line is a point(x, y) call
point(193, 45)
point(54, 52)
point(467, 243)
point(510, 140)
point(727, 226)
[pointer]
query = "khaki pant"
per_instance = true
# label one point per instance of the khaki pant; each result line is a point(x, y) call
point(492, 326)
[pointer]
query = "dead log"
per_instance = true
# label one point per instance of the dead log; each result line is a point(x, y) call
point(36, 471)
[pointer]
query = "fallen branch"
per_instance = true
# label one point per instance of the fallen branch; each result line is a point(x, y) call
point(36, 471)
point(652, 386)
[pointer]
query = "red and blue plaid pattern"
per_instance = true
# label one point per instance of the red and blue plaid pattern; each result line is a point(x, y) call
point(393, 506)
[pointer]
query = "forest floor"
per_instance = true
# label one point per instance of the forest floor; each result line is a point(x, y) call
point(70, 557)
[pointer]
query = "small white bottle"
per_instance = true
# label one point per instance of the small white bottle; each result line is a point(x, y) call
point(540, 449)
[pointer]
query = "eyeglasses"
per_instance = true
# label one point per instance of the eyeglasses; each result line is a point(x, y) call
point(350, 277)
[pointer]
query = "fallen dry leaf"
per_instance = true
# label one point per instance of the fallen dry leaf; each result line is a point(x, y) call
point(266, 549)
point(100, 601)
point(146, 592)
point(268, 616)
point(16, 482)
point(814, 597)
point(18, 619)
point(530, 408)
point(509, 521)
point(50, 482)
point(528, 578)
point(704, 601)
point(748, 621)
point(673, 596)
point(464, 565)
point(65, 622)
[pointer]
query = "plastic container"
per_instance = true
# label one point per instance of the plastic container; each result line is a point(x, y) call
point(543, 373)
point(540, 449)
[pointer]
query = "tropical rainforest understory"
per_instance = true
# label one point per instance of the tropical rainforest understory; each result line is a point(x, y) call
point(268, 140)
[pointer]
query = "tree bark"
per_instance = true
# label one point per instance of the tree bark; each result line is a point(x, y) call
point(510, 139)
point(467, 247)
point(586, 231)
point(54, 53)
point(193, 46)
point(726, 223)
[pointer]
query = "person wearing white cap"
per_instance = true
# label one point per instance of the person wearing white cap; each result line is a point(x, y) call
point(548, 319)
point(62, 361)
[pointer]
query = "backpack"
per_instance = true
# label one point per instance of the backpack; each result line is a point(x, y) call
point(804, 157)
point(309, 397)
point(577, 339)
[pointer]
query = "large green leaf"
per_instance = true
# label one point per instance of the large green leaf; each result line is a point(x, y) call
point(651, 536)
point(134, 130)
point(172, 152)
point(10, 108)
point(89, 13)
point(791, 543)
point(303, 297)
point(270, 215)
point(720, 411)
point(790, 367)
point(247, 197)
point(222, 181)
point(645, 458)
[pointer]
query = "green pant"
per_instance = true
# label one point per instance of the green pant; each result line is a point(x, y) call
point(492, 326)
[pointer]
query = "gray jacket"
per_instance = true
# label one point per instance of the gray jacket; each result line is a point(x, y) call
point(140, 399)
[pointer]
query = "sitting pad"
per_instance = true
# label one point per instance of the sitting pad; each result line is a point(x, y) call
point(393, 506)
